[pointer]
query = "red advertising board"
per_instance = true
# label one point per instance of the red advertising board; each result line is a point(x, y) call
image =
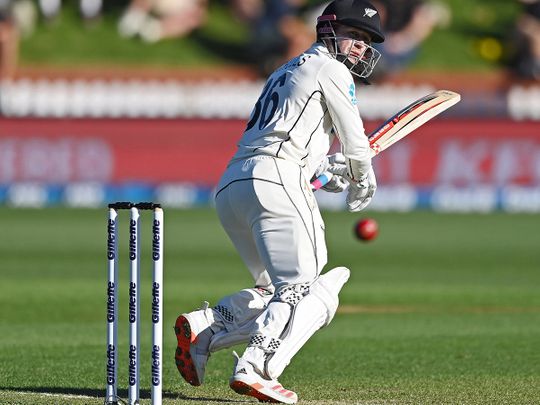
point(459, 152)
point(465, 152)
point(57, 151)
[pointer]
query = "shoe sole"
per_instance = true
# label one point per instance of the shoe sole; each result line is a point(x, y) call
point(243, 388)
point(184, 362)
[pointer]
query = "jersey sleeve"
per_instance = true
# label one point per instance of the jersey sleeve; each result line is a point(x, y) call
point(339, 91)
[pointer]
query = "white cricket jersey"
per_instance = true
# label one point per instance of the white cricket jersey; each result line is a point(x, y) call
point(300, 105)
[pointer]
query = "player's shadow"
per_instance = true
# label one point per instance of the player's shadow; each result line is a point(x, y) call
point(122, 393)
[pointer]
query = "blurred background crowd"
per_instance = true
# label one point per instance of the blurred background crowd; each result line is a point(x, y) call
point(490, 35)
point(104, 100)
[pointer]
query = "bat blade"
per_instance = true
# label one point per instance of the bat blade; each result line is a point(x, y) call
point(410, 118)
point(403, 123)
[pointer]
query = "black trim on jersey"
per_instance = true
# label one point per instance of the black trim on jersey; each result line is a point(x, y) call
point(301, 217)
point(311, 135)
point(247, 178)
point(351, 173)
point(314, 241)
point(298, 119)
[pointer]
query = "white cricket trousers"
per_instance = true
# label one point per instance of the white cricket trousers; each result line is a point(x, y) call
point(267, 208)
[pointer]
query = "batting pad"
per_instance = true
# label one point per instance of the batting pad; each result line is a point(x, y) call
point(313, 311)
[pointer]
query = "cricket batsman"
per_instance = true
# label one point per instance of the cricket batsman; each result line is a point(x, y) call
point(265, 204)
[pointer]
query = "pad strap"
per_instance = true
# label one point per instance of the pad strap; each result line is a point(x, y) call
point(225, 313)
point(291, 294)
point(266, 343)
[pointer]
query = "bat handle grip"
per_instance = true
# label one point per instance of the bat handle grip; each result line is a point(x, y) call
point(321, 181)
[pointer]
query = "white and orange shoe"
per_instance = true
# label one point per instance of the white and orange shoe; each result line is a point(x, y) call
point(245, 381)
point(193, 334)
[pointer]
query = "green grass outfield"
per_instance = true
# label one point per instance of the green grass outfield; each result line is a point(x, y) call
point(440, 309)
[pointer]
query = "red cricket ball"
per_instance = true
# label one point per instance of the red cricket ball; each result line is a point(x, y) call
point(366, 229)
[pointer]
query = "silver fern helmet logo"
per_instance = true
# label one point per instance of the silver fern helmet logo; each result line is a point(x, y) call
point(369, 12)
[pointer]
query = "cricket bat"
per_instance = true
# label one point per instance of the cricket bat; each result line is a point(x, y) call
point(402, 124)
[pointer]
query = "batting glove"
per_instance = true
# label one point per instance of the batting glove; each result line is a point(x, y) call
point(361, 192)
point(334, 164)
